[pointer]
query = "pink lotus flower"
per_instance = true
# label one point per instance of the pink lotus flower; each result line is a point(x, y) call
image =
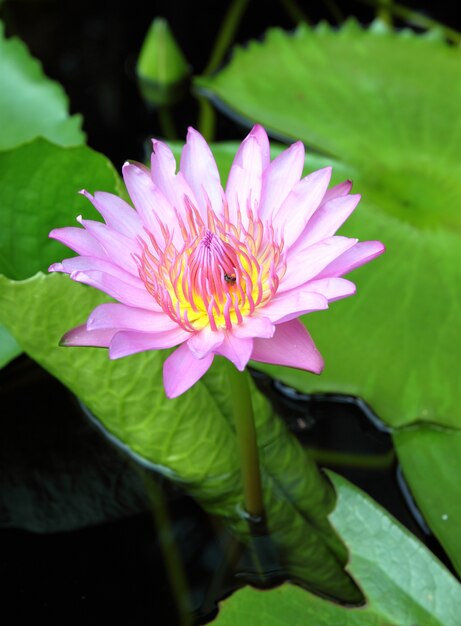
point(215, 272)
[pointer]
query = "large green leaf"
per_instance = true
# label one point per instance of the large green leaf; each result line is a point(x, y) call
point(31, 105)
point(403, 583)
point(387, 105)
point(430, 461)
point(355, 93)
point(39, 191)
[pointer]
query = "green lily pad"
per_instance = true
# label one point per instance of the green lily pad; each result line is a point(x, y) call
point(386, 105)
point(39, 191)
point(402, 581)
point(31, 105)
point(430, 462)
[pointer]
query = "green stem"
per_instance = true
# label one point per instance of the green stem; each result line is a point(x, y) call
point(206, 119)
point(246, 438)
point(334, 10)
point(173, 563)
point(292, 9)
point(416, 18)
point(166, 121)
point(385, 11)
point(226, 34)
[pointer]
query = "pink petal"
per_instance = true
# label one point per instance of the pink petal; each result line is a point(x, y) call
point(331, 288)
point(291, 346)
point(302, 201)
point(79, 240)
point(121, 316)
point(338, 191)
point(181, 370)
point(237, 350)
point(147, 198)
point(309, 262)
point(261, 137)
point(163, 171)
point(254, 326)
point(80, 336)
point(87, 264)
point(349, 260)
point(119, 248)
point(117, 213)
point(199, 168)
point(204, 342)
point(280, 178)
point(127, 342)
point(243, 188)
point(327, 219)
point(287, 306)
point(122, 291)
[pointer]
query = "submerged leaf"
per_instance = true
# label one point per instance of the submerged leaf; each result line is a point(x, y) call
point(430, 460)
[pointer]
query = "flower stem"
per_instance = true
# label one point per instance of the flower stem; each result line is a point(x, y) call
point(415, 18)
point(226, 34)
point(166, 122)
point(246, 438)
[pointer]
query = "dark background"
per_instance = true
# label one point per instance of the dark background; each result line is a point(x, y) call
point(91, 46)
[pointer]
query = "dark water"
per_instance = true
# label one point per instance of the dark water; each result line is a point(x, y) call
point(79, 541)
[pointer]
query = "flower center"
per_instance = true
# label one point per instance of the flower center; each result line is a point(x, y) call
point(214, 273)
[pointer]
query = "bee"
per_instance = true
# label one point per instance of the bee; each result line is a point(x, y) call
point(230, 278)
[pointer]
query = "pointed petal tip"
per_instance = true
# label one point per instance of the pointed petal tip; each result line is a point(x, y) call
point(156, 145)
point(318, 368)
point(56, 267)
point(70, 338)
point(193, 132)
point(182, 370)
point(258, 132)
point(63, 342)
point(131, 166)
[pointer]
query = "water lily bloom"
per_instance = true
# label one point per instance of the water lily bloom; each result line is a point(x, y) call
point(215, 272)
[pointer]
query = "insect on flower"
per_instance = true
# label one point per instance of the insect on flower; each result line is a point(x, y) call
point(215, 272)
